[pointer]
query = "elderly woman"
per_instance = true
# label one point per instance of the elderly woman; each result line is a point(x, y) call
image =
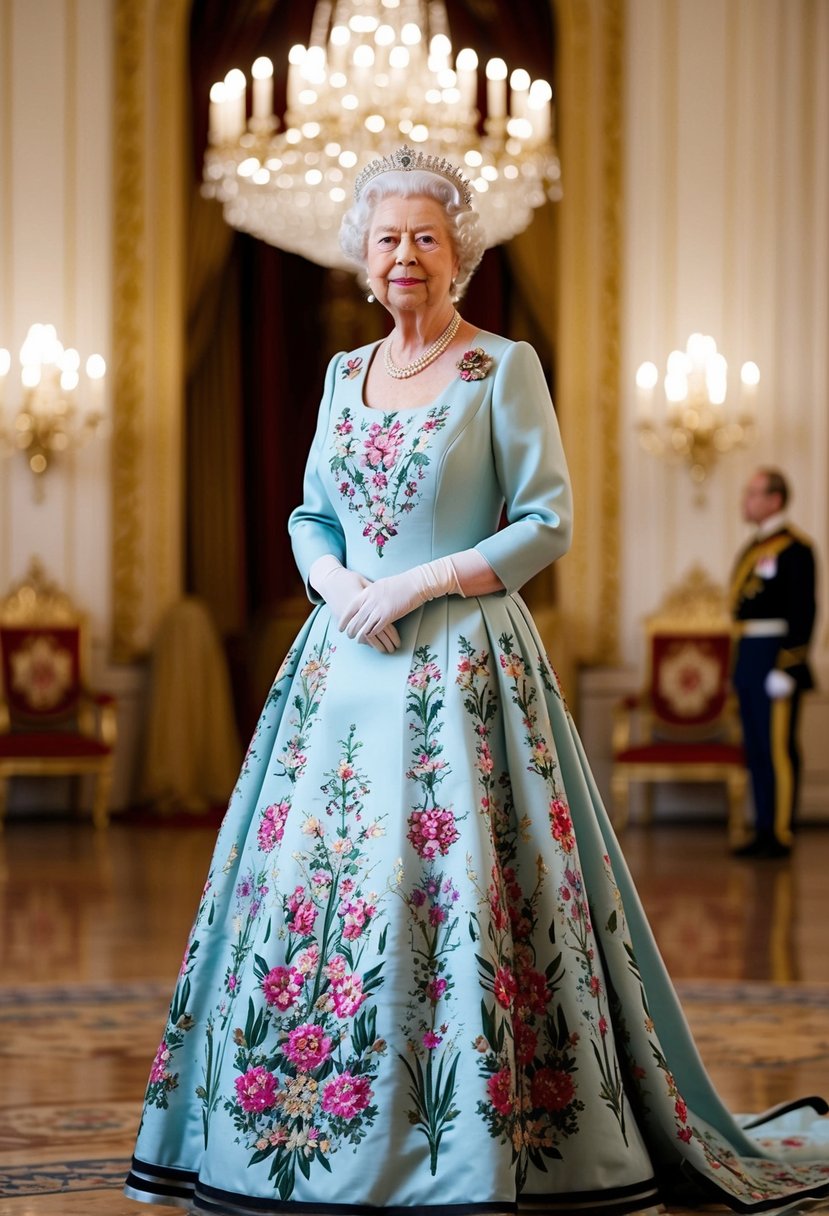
point(420, 979)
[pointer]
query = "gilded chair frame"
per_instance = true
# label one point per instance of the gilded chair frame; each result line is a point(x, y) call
point(38, 603)
point(696, 609)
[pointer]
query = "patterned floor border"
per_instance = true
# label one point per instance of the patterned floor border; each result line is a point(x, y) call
point(750, 992)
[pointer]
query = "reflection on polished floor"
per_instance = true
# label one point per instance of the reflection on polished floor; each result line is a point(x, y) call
point(92, 926)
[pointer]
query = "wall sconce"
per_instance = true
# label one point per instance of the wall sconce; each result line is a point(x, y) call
point(50, 418)
point(697, 426)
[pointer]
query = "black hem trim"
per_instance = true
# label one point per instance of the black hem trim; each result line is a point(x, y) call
point(173, 1172)
point(207, 1198)
point(151, 1189)
point(612, 1201)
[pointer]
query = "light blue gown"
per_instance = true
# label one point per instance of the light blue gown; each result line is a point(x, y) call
point(420, 979)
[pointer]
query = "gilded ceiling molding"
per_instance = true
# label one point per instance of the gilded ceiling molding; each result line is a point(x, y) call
point(590, 123)
point(148, 345)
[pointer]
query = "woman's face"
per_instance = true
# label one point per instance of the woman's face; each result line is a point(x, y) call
point(410, 258)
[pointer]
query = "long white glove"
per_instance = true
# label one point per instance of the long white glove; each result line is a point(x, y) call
point(779, 684)
point(389, 599)
point(340, 588)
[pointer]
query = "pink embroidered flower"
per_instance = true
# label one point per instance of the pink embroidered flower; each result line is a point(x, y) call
point(687, 1135)
point(435, 990)
point(346, 1095)
point(308, 1046)
point(302, 922)
point(432, 831)
point(562, 824)
point(513, 665)
point(336, 967)
point(552, 1089)
point(505, 987)
point(307, 961)
point(347, 994)
point(382, 447)
point(681, 1110)
point(534, 994)
point(526, 1041)
point(475, 364)
point(499, 1088)
point(421, 677)
point(256, 1090)
point(282, 986)
point(158, 1072)
point(356, 914)
point(272, 825)
point(485, 763)
point(431, 1040)
point(603, 1026)
point(352, 368)
point(496, 909)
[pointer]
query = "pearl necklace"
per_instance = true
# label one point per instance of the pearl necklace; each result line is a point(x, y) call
point(437, 348)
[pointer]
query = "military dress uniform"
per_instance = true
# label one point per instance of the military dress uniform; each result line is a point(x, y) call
point(773, 601)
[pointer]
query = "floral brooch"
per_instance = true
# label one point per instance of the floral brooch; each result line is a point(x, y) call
point(475, 364)
point(352, 368)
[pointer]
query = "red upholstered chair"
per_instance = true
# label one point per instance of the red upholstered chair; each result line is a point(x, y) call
point(683, 725)
point(51, 723)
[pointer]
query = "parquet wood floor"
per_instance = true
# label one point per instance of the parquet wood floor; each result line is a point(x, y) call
point(92, 927)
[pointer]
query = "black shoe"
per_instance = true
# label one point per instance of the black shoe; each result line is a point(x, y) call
point(763, 847)
point(754, 848)
point(775, 849)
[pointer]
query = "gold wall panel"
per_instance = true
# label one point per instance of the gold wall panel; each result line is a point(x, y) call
point(590, 128)
point(148, 184)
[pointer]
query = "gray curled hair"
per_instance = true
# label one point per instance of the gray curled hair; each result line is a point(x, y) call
point(465, 226)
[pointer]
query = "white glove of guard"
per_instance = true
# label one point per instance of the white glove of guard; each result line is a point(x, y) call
point(379, 604)
point(340, 588)
point(779, 684)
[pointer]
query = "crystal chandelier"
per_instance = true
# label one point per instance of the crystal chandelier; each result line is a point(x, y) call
point(698, 423)
point(376, 74)
point(50, 418)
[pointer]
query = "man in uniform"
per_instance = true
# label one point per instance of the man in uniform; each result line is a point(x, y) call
point(773, 601)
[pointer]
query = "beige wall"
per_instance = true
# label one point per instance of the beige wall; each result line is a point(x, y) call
point(726, 231)
point(55, 266)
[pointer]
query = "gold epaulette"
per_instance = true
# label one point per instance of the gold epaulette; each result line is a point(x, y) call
point(768, 547)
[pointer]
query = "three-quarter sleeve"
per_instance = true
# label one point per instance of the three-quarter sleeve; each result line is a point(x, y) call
point(531, 470)
point(313, 526)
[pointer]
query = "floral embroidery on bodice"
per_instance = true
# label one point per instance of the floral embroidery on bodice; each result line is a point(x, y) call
point(379, 465)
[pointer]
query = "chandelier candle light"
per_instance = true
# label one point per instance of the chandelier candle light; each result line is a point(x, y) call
point(697, 425)
point(375, 73)
point(50, 419)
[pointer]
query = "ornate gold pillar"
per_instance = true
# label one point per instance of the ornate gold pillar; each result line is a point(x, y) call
point(589, 257)
point(149, 167)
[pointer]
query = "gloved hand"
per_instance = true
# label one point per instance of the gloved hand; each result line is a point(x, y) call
point(779, 684)
point(340, 588)
point(387, 600)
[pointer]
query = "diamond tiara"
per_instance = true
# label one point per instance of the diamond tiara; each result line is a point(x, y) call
point(407, 160)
